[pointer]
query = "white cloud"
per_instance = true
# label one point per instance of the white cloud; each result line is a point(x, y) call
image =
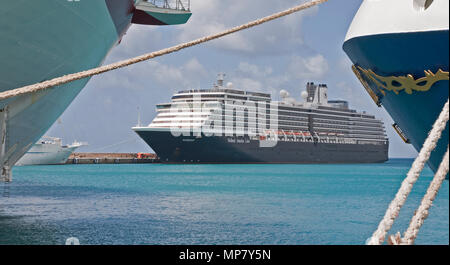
point(154, 72)
point(344, 64)
point(313, 67)
point(254, 70)
point(277, 37)
point(260, 78)
point(247, 84)
point(195, 67)
point(173, 77)
point(345, 91)
point(355, 95)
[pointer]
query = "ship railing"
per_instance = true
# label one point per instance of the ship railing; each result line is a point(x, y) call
point(50, 140)
point(78, 144)
point(184, 5)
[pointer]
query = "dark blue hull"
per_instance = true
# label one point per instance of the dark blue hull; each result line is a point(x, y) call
point(404, 54)
point(215, 149)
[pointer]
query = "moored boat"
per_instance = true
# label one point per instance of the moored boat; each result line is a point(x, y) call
point(48, 151)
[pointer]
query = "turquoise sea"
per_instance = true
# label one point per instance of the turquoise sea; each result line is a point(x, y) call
point(211, 204)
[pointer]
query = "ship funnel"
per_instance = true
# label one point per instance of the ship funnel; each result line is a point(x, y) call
point(316, 94)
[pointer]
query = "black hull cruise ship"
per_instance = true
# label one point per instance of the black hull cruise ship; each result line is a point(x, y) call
point(226, 125)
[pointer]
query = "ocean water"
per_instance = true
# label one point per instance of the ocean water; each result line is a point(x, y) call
point(212, 204)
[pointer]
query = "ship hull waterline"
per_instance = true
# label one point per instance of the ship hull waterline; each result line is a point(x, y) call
point(243, 150)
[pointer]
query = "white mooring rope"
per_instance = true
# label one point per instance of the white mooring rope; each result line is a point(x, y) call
point(393, 210)
point(95, 71)
point(422, 212)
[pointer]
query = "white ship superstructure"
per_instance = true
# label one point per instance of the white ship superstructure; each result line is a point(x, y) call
point(244, 117)
point(48, 151)
point(232, 109)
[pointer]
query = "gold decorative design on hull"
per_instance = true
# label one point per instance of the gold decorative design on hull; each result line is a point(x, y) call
point(366, 86)
point(401, 83)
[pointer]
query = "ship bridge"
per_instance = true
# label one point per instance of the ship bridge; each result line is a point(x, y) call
point(162, 12)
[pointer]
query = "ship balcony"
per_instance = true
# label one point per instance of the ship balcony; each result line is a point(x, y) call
point(162, 12)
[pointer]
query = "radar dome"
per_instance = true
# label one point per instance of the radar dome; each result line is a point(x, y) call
point(284, 93)
point(229, 85)
point(304, 94)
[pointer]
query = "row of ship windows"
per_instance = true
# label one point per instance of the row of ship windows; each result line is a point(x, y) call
point(289, 134)
point(284, 125)
point(297, 111)
point(283, 120)
point(328, 123)
point(288, 116)
point(337, 112)
point(291, 109)
point(245, 130)
point(374, 124)
point(322, 116)
point(347, 127)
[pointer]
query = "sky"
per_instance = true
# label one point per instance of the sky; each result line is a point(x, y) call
point(282, 54)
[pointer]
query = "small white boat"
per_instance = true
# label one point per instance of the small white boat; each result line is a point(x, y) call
point(48, 151)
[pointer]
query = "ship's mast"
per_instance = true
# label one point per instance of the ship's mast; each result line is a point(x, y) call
point(220, 79)
point(139, 118)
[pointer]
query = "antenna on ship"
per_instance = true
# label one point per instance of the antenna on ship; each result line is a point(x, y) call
point(139, 118)
point(220, 78)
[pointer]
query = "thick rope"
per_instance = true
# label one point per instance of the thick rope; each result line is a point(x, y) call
point(422, 212)
point(95, 71)
point(393, 210)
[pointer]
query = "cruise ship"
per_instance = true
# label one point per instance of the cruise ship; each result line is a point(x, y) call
point(45, 39)
point(400, 52)
point(228, 125)
point(48, 151)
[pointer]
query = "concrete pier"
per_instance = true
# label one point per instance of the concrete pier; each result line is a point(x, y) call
point(112, 158)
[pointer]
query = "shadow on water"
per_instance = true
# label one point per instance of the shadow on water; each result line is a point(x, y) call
point(18, 230)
